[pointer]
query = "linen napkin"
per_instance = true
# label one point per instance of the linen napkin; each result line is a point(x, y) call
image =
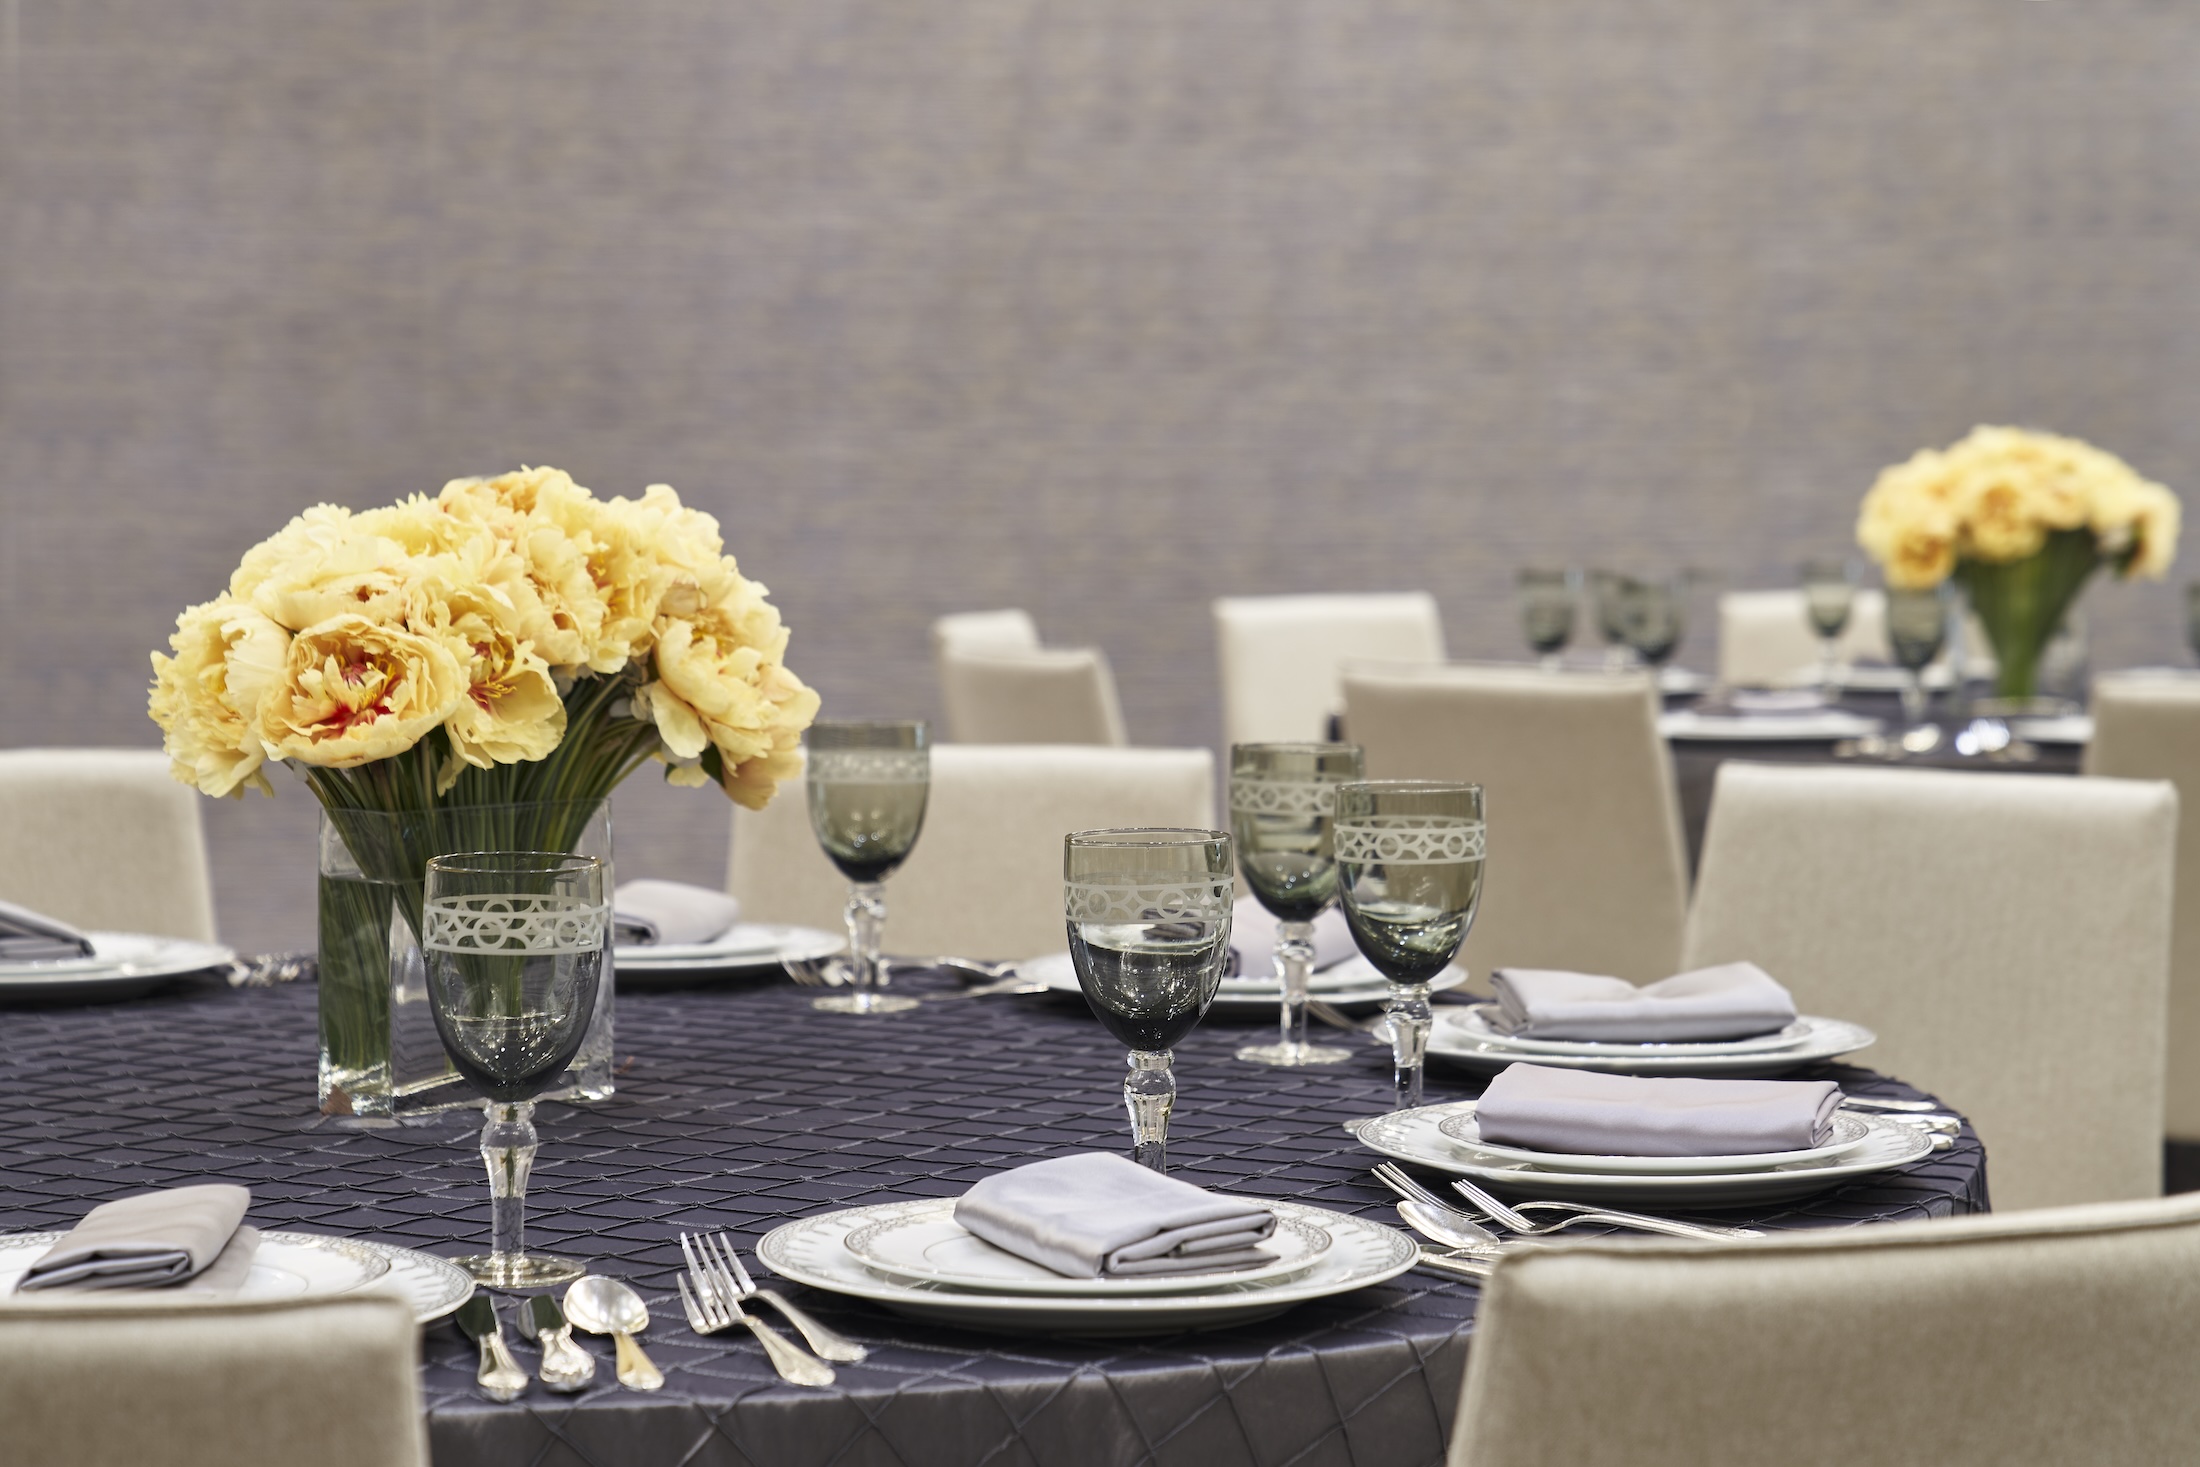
point(1730, 1001)
point(1253, 939)
point(650, 911)
point(29, 937)
point(1590, 1113)
point(145, 1241)
point(1097, 1215)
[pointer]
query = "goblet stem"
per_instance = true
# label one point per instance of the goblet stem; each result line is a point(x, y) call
point(1149, 1093)
point(1913, 697)
point(1294, 960)
point(1410, 1018)
point(508, 1148)
point(1829, 648)
point(866, 917)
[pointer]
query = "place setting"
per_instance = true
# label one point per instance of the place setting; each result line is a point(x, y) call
point(43, 959)
point(673, 929)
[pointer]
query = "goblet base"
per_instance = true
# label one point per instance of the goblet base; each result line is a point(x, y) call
point(862, 1003)
point(520, 1270)
point(1293, 1056)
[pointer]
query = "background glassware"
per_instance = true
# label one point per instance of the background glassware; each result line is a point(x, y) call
point(1651, 614)
point(1829, 593)
point(868, 783)
point(515, 946)
point(1549, 600)
point(1917, 628)
point(1148, 913)
point(2192, 616)
point(1611, 588)
point(1283, 801)
point(1409, 869)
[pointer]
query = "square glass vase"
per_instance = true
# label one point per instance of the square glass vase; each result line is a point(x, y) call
point(381, 1058)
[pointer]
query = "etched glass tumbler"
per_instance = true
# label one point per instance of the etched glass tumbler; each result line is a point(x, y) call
point(1283, 806)
point(1148, 913)
point(868, 783)
point(1409, 869)
point(515, 952)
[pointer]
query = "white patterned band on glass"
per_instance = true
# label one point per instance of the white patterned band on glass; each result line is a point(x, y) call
point(1411, 840)
point(1146, 899)
point(514, 924)
point(1284, 796)
point(871, 766)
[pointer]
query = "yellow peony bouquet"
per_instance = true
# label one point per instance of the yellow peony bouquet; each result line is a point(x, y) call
point(2021, 520)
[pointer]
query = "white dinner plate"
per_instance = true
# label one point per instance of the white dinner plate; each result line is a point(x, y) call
point(1849, 1132)
point(2071, 728)
point(1453, 1041)
point(1353, 981)
point(1416, 1136)
point(813, 1251)
point(123, 965)
point(929, 1245)
point(745, 945)
point(1833, 723)
point(297, 1265)
point(1476, 1021)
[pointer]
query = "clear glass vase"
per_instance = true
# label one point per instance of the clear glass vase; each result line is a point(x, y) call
point(381, 1058)
point(2020, 603)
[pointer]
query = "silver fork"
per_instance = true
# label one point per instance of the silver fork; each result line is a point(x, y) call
point(712, 1307)
point(1515, 1220)
point(830, 1344)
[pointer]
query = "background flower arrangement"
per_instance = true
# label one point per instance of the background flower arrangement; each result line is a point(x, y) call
point(2021, 520)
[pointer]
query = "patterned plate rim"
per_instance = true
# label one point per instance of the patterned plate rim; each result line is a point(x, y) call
point(456, 1285)
point(1475, 1020)
point(1857, 1132)
point(1830, 1039)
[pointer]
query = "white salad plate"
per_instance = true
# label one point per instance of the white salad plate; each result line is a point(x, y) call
point(2071, 728)
point(1825, 726)
point(122, 965)
point(1476, 1021)
point(744, 945)
point(1849, 1132)
point(814, 1251)
point(1353, 981)
point(928, 1245)
point(1417, 1136)
point(1457, 1039)
point(299, 1265)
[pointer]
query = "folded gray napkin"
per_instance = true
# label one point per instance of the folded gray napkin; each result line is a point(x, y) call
point(1253, 939)
point(651, 911)
point(1731, 1001)
point(31, 937)
point(1589, 1113)
point(1097, 1215)
point(230, 1268)
point(145, 1241)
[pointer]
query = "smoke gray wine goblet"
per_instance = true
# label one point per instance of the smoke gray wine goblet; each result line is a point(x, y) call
point(868, 783)
point(1283, 804)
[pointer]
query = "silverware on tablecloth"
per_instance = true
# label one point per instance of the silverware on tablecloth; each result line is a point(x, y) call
point(1467, 1268)
point(1874, 1102)
point(605, 1306)
point(725, 1261)
point(1376, 1027)
point(566, 1367)
point(1432, 1217)
point(1011, 984)
point(712, 1306)
point(829, 971)
point(264, 970)
point(1515, 1219)
point(499, 1377)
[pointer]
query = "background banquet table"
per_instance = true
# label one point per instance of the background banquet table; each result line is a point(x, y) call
point(738, 1108)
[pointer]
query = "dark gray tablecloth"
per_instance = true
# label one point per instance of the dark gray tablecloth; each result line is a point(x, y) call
point(738, 1108)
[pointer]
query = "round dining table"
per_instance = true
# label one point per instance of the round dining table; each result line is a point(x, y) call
point(740, 1107)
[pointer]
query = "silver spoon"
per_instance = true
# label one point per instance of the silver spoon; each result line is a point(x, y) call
point(1437, 1227)
point(607, 1307)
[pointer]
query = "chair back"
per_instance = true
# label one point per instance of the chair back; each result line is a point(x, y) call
point(985, 879)
point(2005, 935)
point(1586, 866)
point(2070, 1335)
point(104, 839)
point(123, 1381)
point(1765, 637)
point(1008, 630)
point(1064, 696)
point(2148, 727)
point(1282, 656)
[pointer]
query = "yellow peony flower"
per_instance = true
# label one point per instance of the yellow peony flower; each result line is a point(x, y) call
point(720, 685)
point(511, 712)
point(206, 697)
point(354, 690)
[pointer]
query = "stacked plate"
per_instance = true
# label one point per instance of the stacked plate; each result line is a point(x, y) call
point(1443, 1137)
point(914, 1258)
point(1824, 725)
point(743, 947)
point(122, 965)
point(1463, 1035)
point(298, 1265)
point(1351, 982)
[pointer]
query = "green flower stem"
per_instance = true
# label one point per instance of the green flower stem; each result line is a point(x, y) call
point(2022, 602)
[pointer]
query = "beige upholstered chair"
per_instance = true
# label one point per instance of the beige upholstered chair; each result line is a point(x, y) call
point(2062, 1336)
point(1048, 697)
point(985, 880)
point(2006, 935)
point(2148, 727)
point(1766, 637)
point(1586, 867)
point(1281, 655)
point(103, 838)
point(1008, 630)
point(129, 1382)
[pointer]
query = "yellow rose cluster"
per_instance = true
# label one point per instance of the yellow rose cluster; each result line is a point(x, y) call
point(348, 638)
point(1999, 493)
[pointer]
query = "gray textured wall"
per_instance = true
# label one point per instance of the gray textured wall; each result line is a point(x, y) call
point(1096, 308)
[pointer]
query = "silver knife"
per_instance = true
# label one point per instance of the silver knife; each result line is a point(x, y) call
point(566, 1367)
point(499, 1378)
